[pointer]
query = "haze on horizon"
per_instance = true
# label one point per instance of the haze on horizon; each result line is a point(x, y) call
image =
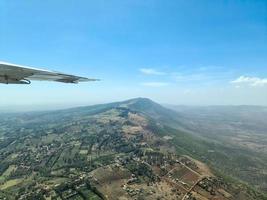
point(176, 52)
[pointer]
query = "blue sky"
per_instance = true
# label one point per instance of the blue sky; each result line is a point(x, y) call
point(175, 52)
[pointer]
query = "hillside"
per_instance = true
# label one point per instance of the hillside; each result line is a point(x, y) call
point(136, 149)
point(240, 132)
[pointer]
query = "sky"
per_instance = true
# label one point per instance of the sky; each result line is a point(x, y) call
point(187, 52)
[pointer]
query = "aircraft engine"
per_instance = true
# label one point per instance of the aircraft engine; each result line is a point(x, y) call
point(7, 80)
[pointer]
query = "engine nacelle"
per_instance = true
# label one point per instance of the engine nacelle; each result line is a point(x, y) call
point(7, 80)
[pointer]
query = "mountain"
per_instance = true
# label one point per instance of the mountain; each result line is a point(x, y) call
point(135, 149)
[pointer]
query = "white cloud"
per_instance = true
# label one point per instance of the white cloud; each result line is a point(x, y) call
point(189, 77)
point(150, 71)
point(251, 81)
point(155, 84)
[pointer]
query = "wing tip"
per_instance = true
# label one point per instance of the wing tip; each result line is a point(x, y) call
point(83, 79)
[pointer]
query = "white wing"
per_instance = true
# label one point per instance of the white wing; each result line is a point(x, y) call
point(17, 74)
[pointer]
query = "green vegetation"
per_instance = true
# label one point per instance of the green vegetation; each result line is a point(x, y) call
point(58, 155)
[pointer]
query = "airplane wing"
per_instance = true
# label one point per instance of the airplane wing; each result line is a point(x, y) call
point(17, 74)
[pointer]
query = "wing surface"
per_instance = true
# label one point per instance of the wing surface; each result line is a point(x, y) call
point(10, 73)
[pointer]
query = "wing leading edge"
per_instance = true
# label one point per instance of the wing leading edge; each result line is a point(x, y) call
point(17, 74)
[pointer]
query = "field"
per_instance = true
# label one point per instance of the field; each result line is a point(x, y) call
point(10, 183)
